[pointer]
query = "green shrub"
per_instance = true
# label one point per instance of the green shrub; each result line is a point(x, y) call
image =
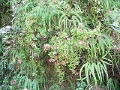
point(53, 37)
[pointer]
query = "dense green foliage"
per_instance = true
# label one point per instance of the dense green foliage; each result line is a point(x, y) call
point(52, 41)
point(5, 13)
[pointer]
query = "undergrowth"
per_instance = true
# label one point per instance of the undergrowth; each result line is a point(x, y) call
point(50, 38)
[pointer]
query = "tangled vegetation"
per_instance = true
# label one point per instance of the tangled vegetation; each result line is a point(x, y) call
point(62, 45)
point(5, 13)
